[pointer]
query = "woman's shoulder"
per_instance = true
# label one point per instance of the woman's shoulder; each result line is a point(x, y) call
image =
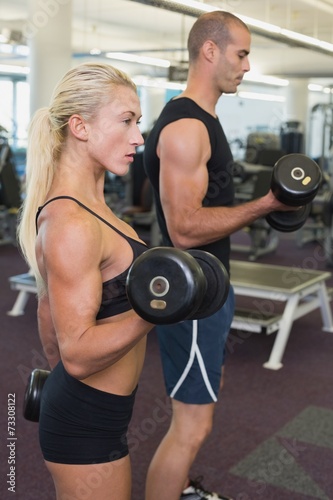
point(65, 219)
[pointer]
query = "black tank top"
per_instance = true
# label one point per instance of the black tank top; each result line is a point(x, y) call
point(114, 296)
point(220, 190)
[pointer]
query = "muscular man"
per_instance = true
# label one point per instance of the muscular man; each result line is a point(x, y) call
point(189, 164)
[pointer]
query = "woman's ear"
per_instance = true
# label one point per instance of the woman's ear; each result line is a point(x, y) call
point(78, 128)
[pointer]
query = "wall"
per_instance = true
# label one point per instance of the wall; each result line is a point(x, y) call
point(238, 116)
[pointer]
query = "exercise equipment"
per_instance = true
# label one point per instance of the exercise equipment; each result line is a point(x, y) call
point(217, 284)
point(319, 229)
point(167, 285)
point(258, 237)
point(33, 392)
point(295, 181)
point(289, 221)
point(274, 302)
point(327, 209)
point(10, 193)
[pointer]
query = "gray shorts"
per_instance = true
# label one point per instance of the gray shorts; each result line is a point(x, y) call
point(193, 353)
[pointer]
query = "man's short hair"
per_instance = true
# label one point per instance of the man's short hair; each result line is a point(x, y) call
point(214, 26)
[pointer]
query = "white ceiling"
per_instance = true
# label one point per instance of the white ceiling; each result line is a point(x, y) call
point(128, 25)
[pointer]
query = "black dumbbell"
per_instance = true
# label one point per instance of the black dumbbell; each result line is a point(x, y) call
point(167, 285)
point(327, 210)
point(33, 393)
point(217, 284)
point(295, 181)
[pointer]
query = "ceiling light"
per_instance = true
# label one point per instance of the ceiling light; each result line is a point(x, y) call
point(193, 4)
point(261, 97)
point(7, 68)
point(6, 48)
point(161, 84)
point(269, 80)
point(195, 8)
point(309, 40)
point(22, 50)
point(315, 87)
point(152, 61)
point(255, 23)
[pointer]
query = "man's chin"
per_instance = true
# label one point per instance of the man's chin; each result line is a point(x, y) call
point(230, 91)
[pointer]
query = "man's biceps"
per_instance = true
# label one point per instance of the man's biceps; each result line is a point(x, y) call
point(171, 198)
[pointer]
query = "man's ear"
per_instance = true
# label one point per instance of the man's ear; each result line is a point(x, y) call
point(209, 50)
point(78, 127)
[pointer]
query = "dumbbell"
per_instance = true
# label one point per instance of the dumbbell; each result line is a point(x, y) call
point(295, 181)
point(327, 211)
point(167, 285)
point(33, 393)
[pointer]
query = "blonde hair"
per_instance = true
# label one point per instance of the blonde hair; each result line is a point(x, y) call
point(83, 90)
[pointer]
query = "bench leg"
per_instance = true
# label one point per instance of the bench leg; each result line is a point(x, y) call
point(274, 362)
point(20, 303)
point(325, 308)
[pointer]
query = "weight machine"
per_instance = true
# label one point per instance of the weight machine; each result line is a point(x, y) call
point(252, 179)
point(10, 192)
point(322, 117)
point(320, 225)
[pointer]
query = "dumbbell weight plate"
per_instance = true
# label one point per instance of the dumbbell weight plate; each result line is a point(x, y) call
point(165, 285)
point(218, 283)
point(327, 210)
point(33, 392)
point(289, 221)
point(296, 179)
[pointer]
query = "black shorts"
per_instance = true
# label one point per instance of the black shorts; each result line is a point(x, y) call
point(80, 424)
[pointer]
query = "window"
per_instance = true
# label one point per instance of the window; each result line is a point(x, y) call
point(22, 113)
point(14, 110)
point(6, 108)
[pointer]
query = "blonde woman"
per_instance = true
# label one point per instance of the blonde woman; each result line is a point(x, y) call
point(80, 253)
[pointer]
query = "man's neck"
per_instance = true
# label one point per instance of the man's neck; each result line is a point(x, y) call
point(201, 98)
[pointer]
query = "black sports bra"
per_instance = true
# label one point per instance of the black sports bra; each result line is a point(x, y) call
point(114, 297)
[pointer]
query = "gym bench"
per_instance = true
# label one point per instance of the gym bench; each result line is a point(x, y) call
point(25, 284)
point(301, 290)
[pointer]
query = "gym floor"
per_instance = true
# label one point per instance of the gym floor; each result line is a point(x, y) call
point(273, 433)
